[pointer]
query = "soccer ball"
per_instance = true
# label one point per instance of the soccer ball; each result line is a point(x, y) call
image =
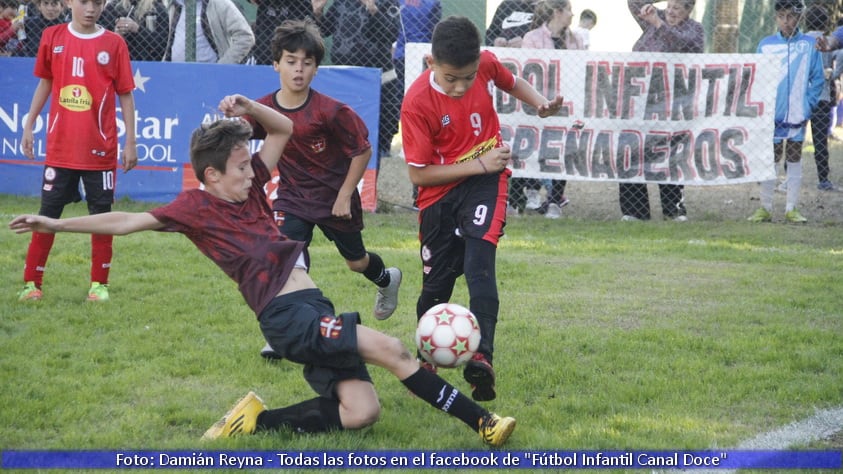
point(447, 335)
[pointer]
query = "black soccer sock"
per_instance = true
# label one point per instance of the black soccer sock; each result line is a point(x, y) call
point(310, 416)
point(376, 271)
point(483, 290)
point(436, 391)
point(486, 312)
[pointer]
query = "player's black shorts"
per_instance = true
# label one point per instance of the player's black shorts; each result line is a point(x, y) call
point(349, 244)
point(476, 208)
point(60, 186)
point(301, 327)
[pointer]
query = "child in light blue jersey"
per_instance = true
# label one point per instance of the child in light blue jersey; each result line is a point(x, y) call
point(800, 80)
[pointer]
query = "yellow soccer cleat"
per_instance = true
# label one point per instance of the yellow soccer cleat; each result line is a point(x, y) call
point(495, 430)
point(761, 215)
point(794, 217)
point(242, 418)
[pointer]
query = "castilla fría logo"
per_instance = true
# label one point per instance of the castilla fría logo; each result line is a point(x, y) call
point(76, 98)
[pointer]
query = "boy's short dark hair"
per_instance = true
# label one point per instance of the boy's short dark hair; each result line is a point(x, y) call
point(211, 144)
point(8, 3)
point(796, 6)
point(293, 35)
point(588, 15)
point(456, 42)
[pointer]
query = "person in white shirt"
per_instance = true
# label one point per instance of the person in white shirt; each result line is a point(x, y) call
point(587, 21)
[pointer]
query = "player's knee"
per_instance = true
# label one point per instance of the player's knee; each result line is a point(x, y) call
point(361, 411)
point(396, 348)
point(369, 415)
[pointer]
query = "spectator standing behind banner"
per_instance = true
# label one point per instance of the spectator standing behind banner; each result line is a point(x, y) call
point(270, 14)
point(816, 24)
point(801, 80)
point(552, 30)
point(363, 32)
point(417, 18)
point(837, 109)
point(142, 23)
point(511, 20)
point(80, 59)
point(587, 21)
point(223, 34)
point(668, 31)
point(49, 13)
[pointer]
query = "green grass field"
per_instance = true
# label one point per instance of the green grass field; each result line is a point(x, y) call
point(612, 336)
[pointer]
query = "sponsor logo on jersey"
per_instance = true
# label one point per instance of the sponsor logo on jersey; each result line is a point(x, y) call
point(478, 150)
point(103, 57)
point(446, 120)
point(76, 98)
point(58, 49)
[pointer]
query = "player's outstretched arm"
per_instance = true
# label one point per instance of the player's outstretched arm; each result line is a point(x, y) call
point(526, 93)
point(278, 127)
point(109, 223)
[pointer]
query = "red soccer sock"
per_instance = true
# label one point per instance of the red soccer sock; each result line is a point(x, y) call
point(36, 257)
point(100, 257)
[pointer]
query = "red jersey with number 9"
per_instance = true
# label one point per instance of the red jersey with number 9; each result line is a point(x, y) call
point(440, 130)
point(87, 71)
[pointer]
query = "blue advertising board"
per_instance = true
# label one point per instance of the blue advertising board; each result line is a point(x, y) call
point(171, 100)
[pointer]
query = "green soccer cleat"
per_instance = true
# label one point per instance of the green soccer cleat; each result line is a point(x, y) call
point(795, 217)
point(98, 292)
point(30, 292)
point(242, 418)
point(495, 430)
point(761, 215)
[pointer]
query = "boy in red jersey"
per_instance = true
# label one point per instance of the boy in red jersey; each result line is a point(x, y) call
point(323, 162)
point(81, 67)
point(456, 157)
point(231, 223)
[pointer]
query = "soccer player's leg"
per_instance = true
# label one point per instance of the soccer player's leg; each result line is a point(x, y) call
point(99, 194)
point(388, 352)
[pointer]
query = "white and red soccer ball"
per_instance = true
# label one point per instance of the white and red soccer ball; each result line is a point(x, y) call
point(447, 335)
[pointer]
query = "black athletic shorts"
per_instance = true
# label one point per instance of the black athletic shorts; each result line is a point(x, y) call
point(60, 186)
point(349, 244)
point(476, 209)
point(302, 327)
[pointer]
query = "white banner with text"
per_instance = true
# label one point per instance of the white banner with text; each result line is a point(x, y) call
point(694, 119)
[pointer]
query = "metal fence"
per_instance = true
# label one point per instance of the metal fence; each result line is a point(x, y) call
point(373, 33)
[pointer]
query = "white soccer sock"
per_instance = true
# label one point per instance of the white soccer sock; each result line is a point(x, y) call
point(794, 185)
point(767, 190)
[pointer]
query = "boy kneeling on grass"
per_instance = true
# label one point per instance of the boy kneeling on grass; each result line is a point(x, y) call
point(231, 223)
